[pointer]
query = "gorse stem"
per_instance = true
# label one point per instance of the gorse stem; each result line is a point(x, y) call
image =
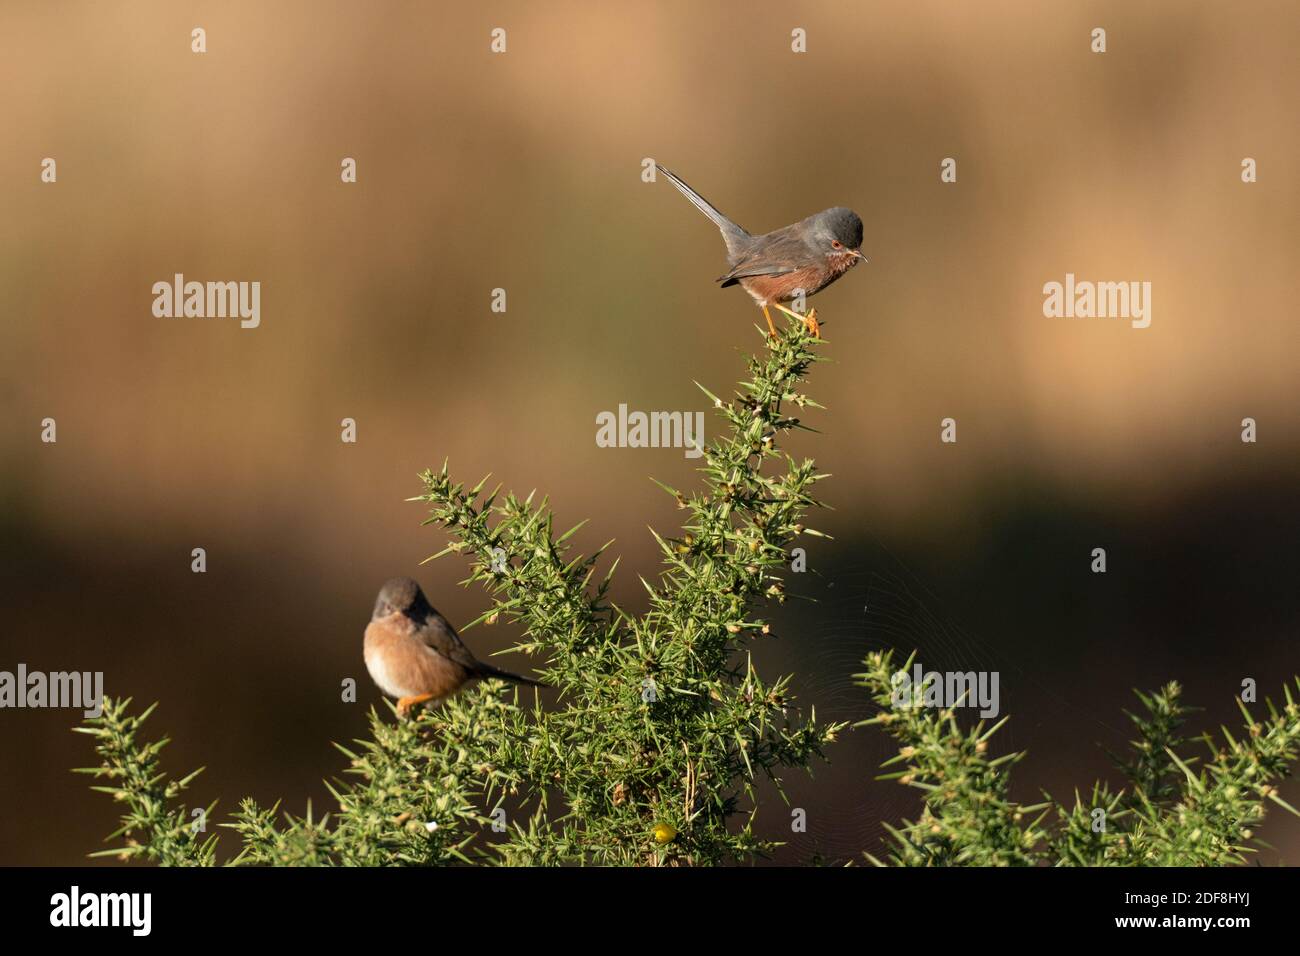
point(664, 725)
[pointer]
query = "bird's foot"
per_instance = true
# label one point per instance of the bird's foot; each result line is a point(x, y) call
point(404, 704)
point(810, 320)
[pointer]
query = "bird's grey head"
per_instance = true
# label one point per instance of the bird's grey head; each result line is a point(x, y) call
point(400, 595)
point(837, 229)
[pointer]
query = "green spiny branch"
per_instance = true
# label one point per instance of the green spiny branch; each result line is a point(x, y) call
point(665, 725)
point(1170, 815)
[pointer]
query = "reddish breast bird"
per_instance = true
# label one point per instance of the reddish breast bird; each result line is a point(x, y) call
point(415, 655)
point(776, 267)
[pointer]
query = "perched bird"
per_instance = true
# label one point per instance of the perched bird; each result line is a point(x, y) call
point(413, 654)
point(775, 267)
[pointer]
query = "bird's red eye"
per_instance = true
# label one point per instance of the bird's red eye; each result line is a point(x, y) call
point(836, 244)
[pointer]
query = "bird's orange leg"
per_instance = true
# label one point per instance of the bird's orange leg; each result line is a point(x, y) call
point(767, 315)
point(404, 704)
point(809, 320)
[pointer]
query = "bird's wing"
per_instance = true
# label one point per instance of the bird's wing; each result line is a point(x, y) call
point(777, 253)
point(438, 634)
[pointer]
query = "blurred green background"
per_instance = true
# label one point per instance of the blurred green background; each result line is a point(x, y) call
point(522, 171)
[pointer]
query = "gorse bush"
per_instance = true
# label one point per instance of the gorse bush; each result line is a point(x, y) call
point(662, 728)
point(1170, 815)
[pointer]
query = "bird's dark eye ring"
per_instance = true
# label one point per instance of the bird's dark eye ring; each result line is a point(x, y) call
point(836, 244)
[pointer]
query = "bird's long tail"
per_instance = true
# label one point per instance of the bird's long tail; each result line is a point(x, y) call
point(487, 670)
point(732, 234)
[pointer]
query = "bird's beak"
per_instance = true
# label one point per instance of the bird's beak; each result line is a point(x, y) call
point(858, 253)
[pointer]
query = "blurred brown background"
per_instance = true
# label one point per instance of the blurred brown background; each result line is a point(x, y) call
point(521, 171)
